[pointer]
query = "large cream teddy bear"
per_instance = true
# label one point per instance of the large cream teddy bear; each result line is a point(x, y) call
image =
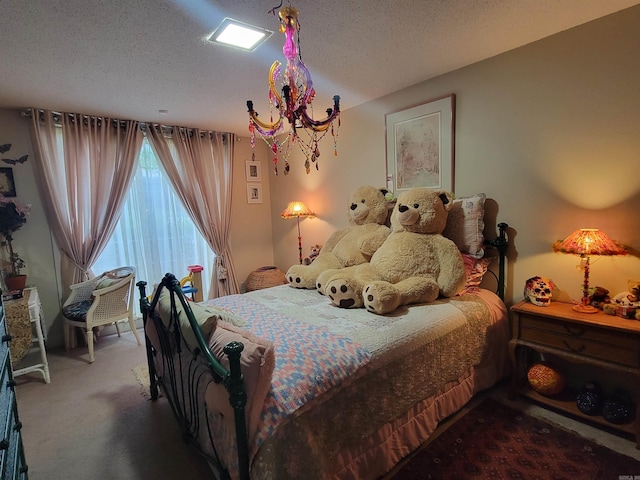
point(415, 264)
point(368, 213)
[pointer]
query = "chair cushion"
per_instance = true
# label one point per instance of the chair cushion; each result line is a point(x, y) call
point(77, 312)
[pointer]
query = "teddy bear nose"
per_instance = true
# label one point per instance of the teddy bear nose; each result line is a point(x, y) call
point(353, 206)
point(403, 208)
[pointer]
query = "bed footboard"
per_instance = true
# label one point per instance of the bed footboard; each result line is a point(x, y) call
point(183, 372)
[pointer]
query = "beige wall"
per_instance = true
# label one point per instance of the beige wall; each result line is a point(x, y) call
point(549, 131)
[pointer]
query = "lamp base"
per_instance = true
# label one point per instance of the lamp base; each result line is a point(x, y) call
point(585, 308)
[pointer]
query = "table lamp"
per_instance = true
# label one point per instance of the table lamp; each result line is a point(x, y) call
point(297, 210)
point(586, 242)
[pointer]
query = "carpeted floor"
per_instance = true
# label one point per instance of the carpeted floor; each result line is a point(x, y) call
point(494, 441)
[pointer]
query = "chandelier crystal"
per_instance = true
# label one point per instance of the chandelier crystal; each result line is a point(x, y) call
point(294, 104)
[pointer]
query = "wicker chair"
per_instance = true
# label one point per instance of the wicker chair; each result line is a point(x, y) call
point(104, 300)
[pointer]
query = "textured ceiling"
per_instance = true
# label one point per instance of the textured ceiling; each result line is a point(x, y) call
point(129, 59)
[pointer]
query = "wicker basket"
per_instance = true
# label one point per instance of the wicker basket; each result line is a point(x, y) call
point(265, 277)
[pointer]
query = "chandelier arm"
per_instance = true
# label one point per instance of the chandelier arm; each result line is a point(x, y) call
point(320, 125)
point(274, 72)
point(268, 129)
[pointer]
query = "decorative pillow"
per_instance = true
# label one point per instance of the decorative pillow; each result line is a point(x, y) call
point(257, 362)
point(205, 317)
point(465, 224)
point(475, 268)
point(106, 282)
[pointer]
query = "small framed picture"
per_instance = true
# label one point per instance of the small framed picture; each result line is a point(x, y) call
point(7, 185)
point(254, 193)
point(252, 169)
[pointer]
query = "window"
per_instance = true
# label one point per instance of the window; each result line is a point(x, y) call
point(155, 233)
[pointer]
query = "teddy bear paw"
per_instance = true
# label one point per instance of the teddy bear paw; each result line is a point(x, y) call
point(380, 297)
point(342, 294)
point(294, 281)
point(323, 279)
point(297, 278)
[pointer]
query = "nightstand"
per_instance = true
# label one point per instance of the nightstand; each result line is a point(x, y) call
point(608, 342)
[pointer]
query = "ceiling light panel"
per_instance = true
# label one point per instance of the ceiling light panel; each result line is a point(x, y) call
point(233, 33)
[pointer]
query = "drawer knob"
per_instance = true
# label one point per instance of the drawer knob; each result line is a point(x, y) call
point(11, 384)
point(580, 349)
point(6, 338)
point(4, 444)
point(576, 332)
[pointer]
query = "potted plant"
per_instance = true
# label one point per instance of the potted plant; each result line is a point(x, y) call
point(13, 216)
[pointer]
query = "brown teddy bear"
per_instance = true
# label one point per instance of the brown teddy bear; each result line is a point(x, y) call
point(368, 213)
point(314, 252)
point(415, 264)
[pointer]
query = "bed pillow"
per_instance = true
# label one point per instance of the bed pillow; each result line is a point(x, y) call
point(465, 224)
point(257, 362)
point(206, 317)
point(475, 268)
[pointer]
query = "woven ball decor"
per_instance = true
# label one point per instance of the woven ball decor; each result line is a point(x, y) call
point(545, 379)
point(265, 277)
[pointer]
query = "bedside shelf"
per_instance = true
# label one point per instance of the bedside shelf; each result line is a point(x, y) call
point(566, 403)
point(606, 343)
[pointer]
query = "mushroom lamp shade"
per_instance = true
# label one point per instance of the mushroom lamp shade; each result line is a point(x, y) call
point(586, 242)
point(297, 210)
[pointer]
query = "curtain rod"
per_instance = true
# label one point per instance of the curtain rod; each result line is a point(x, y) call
point(166, 129)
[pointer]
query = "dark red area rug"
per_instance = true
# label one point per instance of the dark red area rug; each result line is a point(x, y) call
point(494, 441)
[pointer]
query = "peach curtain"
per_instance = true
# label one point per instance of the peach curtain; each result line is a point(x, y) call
point(199, 165)
point(84, 166)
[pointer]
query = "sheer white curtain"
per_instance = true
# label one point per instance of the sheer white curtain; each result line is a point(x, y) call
point(199, 164)
point(155, 233)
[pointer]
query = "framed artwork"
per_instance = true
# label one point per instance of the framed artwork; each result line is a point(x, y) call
point(253, 172)
point(7, 185)
point(421, 145)
point(254, 193)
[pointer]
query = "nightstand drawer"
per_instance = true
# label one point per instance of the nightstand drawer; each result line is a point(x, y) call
point(582, 339)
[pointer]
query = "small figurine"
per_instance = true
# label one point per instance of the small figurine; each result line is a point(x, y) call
point(538, 290)
point(628, 303)
point(599, 297)
point(315, 251)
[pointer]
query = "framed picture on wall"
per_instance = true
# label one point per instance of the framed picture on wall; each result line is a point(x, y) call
point(421, 145)
point(7, 185)
point(254, 193)
point(253, 171)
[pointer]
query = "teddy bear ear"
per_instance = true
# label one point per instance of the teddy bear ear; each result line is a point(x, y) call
point(447, 199)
